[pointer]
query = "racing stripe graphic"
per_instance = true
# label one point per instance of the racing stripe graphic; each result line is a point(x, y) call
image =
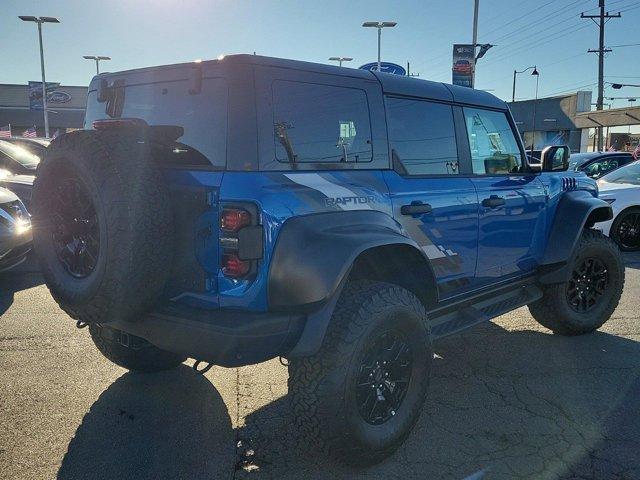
point(329, 189)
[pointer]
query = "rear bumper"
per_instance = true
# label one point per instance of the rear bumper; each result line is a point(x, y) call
point(229, 338)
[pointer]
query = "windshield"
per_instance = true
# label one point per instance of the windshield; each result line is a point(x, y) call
point(577, 159)
point(627, 174)
point(20, 155)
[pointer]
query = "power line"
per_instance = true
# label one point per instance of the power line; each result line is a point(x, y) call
point(527, 14)
point(536, 22)
point(625, 45)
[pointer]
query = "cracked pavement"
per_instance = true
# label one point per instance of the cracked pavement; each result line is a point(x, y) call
point(508, 400)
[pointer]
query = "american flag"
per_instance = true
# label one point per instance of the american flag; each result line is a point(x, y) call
point(636, 152)
point(30, 133)
point(5, 132)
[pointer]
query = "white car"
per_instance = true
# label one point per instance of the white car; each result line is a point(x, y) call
point(621, 188)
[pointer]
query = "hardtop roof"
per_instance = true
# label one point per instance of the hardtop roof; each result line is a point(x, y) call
point(391, 84)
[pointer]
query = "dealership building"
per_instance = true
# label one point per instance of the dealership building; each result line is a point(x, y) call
point(555, 121)
point(66, 109)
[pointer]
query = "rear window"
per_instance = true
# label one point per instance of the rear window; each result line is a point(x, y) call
point(320, 123)
point(202, 116)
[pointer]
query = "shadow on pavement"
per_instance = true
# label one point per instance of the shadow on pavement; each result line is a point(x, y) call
point(171, 424)
point(12, 282)
point(522, 404)
point(632, 259)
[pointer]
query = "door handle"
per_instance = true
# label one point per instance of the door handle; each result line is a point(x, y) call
point(493, 201)
point(416, 208)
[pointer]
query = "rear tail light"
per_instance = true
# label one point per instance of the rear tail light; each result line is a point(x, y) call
point(240, 241)
point(233, 219)
point(109, 123)
point(233, 267)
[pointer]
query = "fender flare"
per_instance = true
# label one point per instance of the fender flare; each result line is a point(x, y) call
point(312, 260)
point(575, 211)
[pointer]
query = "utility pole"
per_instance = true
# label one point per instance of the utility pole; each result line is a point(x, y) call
point(602, 17)
point(474, 40)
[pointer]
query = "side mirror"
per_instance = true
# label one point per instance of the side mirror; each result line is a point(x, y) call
point(555, 158)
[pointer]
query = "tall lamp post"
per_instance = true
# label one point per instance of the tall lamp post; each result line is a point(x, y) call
point(340, 60)
point(40, 21)
point(516, 72)
point(379, 26)
point(97, 59)
point(535, 102)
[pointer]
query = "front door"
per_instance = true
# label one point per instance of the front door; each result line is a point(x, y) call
point(435, 204)
point(511, 201)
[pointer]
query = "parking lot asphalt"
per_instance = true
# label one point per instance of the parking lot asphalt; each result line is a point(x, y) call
point(508, 400)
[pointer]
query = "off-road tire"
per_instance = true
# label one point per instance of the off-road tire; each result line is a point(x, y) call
point(321, 387)
point(134, 217)
point(616, 224)
point(139, 356)
point(553, 309)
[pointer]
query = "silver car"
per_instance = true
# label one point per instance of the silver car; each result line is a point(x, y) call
point(15, 230)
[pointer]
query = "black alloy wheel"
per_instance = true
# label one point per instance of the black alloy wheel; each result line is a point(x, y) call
point(76, 232)
point(588, 283)
point(384, 377)
point(628, 231)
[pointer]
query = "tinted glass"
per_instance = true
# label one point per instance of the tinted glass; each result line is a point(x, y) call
point(577, 159)
point(422, 137)
point(203, 117)
point(598, 168)
point(320, 123)
point(494, 148)
point(627, 174)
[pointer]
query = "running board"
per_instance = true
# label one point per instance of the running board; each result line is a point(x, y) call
point(482, 310)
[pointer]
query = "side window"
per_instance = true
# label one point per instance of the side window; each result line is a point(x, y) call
point(320, 123)
point(494, 148)
point(422, 137)
point(601, 167)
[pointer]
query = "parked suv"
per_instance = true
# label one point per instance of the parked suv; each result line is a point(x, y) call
point(238, 210)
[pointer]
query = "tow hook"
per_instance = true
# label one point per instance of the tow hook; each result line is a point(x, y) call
point(203, 370)
point(80, 324)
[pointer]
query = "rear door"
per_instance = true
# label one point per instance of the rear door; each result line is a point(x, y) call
point(511, 201)
point(431, 197)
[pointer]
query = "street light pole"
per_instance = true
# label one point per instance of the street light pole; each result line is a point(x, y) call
point(535, 102)
point(515, 72)
point(40, 21)
point(340, 60)
point(97, 59)
point(44, 84)
point(379, 26)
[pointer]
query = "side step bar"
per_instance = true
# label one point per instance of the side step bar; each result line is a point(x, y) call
point(481, 310)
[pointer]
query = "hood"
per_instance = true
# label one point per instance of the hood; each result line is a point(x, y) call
point(7, 196)
point(611, 187)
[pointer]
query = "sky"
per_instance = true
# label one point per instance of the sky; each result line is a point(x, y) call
point(137, 33)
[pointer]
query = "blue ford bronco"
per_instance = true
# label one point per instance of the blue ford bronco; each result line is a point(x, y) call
point(239, 210)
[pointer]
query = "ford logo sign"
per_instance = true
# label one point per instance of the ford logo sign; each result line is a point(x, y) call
point(385, 67)
point(58, 97)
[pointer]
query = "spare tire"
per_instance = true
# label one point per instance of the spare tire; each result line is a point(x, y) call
point(103, 225)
